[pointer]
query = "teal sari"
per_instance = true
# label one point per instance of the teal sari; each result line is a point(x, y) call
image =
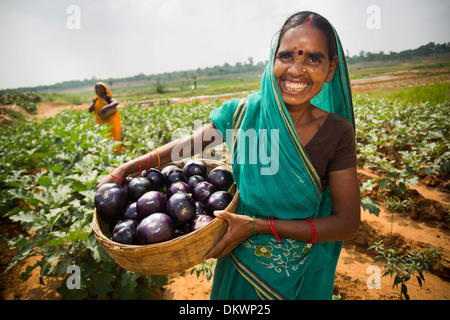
point(275, 178)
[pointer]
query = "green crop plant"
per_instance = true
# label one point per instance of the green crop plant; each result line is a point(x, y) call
point(48, 177)
point(403, 266)
point(400, 142)
point(49, 171)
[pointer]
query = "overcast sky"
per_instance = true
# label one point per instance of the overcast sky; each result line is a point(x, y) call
point(48, 41)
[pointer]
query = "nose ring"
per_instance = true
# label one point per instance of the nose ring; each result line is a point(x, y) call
point(304, 70)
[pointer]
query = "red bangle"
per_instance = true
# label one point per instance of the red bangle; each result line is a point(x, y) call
point(149, 157)
point(116, 177)
point(272, 227)
point(148, 162)
point(313, 231)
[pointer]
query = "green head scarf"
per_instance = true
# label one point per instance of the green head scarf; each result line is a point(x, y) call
point(276, 179)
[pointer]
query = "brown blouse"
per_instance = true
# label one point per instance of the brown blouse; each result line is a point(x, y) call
point(332, 148)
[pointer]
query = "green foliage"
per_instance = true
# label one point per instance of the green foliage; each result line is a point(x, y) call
point(48, 177)
point(166, 77)
point(400, 142)
point(206, 268)
point(426, 50)
point(433, 94)
point(27, 99)
point(66, 98)
point(49, 172)
point(148, 128)
point(403, 266)
point(160, 87)
point(9, 97)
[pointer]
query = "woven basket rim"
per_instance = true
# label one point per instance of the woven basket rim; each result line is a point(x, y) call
point(215, 223)
point(148, 247)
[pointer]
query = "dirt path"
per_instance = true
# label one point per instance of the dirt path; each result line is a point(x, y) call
point(50, 110)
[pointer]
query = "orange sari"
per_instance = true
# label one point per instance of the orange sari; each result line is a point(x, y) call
point(114, 120)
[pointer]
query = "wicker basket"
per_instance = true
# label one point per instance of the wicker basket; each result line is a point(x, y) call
point(170, 256)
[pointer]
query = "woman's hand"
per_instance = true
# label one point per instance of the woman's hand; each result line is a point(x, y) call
point(119, 173)
point(108, 179)
point(239, 229)
point(107, 111)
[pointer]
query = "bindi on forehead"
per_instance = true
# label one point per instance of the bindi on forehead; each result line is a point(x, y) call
point(300, 52)
point(308, 21)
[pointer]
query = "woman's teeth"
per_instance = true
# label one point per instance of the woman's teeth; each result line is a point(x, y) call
point(295, 86)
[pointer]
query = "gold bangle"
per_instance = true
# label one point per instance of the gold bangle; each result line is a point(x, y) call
point(159, 160)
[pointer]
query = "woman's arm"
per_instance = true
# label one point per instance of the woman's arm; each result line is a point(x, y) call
point(91, 107)
point(108, 110)
point(341, 225)
point(208, 136)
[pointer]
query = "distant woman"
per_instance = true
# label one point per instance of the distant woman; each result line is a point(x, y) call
point(285, 239)
point(105, 110)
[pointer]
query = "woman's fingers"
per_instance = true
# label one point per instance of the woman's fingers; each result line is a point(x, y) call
point(108, 179)
point(221, 244)
point(235, 235)
point(224, 247)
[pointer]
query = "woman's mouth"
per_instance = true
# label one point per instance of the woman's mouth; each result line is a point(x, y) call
point(294, 86)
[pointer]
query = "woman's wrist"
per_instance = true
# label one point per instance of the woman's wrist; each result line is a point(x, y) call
point(261, 226)
point(150, 160)
point(121, 171)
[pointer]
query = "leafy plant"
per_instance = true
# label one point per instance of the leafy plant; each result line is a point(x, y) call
point(26, 99)
point(400, 142)
point(48, 177)
point(49, 171)
point(49, 174)
point(206, 268)
point(403, 266)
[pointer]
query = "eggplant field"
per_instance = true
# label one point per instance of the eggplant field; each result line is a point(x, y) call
point(49, 170)
point(403, 144)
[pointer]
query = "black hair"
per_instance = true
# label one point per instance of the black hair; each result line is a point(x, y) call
point(317, 21)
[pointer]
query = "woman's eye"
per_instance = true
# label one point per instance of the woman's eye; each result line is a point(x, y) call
point(284, 56)
point(314, 60)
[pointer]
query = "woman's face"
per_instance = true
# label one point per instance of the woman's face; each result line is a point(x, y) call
point(300, 77)
point(100, 90)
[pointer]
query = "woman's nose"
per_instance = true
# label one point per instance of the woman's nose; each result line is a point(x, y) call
point(297, 68)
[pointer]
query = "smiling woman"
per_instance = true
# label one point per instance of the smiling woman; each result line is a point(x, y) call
point(285, 239)
point(301, 77)
point(305, 93)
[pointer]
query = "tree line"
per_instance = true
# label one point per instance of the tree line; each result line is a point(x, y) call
point(239, 68)
point(422, 51)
